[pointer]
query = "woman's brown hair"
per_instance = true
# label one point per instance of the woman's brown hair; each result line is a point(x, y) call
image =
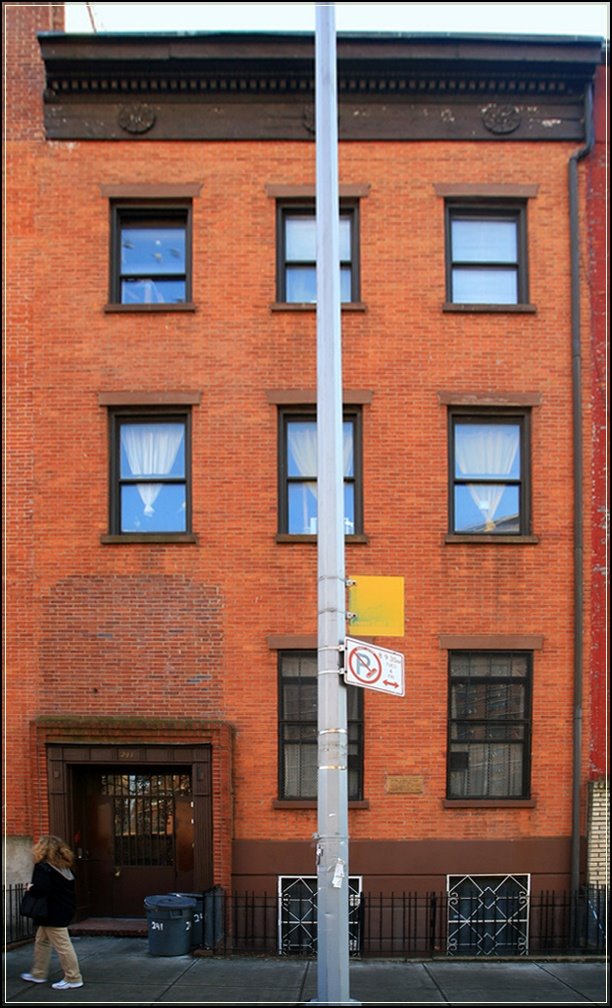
point(54, 850)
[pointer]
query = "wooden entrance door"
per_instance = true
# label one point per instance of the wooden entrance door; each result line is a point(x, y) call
point(136, 837)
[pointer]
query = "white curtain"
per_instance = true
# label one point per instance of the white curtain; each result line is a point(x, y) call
point(151, 450)
point(302, 444)
point(300, 763)
point(142, 292)
point(486, 451)
point(152, 294)
point(494, 769)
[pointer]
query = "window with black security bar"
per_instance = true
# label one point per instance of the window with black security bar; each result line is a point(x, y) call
point(144, 815)
point(298, 729)
point(489, 724)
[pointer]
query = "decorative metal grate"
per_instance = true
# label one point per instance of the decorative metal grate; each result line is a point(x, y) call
point(488, 915)
point(297, 923)
point(143, 806)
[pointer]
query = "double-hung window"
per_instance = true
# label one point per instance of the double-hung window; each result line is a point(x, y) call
point(297, 253)
point(489, 466)
point(489, 724)
point(297, 769)
point(298, 472)
point(150, 472)
point(486, 254)
point(150, 253)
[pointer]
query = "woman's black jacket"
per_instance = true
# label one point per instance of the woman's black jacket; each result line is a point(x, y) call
point(60, 892)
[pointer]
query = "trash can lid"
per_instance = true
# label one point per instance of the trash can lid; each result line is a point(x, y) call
point(170, 901)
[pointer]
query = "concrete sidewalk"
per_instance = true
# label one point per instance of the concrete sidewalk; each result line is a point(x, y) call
point(120, 971)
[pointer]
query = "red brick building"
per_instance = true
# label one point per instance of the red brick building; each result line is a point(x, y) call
point(161, 491)
point(597, 254)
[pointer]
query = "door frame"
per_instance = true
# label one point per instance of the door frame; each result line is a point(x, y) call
point(63, 760)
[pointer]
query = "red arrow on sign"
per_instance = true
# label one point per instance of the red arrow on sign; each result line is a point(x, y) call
point(390, 682)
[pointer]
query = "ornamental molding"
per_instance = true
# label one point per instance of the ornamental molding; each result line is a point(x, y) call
point(269, 64)
point(308, 119)
point(387, 83)
point(260, 86)
point(501, 119)
point(137, 118)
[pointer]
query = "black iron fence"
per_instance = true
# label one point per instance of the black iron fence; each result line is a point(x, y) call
point(403, 925)
point(410, 925)
point(544, 923)
point(16, 927)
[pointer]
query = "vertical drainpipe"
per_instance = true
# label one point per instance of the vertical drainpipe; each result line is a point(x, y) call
point(578, 481)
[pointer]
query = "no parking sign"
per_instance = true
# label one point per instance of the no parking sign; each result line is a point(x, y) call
point(373, 667)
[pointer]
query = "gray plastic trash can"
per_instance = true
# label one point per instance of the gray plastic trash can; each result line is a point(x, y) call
point(169, 920)
point(198, 917)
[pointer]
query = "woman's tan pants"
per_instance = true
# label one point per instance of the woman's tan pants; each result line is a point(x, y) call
point(59, 939)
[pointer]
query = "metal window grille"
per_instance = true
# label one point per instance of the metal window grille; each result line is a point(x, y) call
point(298, 729)
point(143, 811)
point(489, 724)
point(297, 920)
point(488, 915)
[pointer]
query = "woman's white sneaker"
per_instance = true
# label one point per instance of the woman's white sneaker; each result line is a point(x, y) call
point(66, 985)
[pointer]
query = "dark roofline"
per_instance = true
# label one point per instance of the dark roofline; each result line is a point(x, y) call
point(171, 68)
point(452, 44)
point(265, 53)
point(341, 35)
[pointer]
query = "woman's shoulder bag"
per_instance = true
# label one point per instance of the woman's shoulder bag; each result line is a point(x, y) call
point(33, 906)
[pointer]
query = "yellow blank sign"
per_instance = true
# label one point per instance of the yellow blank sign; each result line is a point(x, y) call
point(378, 604)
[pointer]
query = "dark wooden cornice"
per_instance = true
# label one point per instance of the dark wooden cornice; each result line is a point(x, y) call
point(261, 86)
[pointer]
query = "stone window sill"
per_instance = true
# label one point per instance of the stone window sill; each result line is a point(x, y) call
point(516, 309)
point(287, 804)
point(524, 540)
point(184, 306)
point(308, 306)
point(488, 803)
point(171, 538)
point(284, 537)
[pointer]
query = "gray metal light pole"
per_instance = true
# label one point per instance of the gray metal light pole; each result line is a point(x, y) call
point(332, 803)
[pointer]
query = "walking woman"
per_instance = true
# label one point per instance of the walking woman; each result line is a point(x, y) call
point(52, 878)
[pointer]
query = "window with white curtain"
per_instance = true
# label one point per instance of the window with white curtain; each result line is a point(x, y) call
point(149, 473)
point(486, 254)
point(298, 472)
point(489, 466)
point(489, 724)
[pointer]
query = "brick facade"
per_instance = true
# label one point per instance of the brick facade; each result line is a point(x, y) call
point(598, 865)
point(174, 633)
